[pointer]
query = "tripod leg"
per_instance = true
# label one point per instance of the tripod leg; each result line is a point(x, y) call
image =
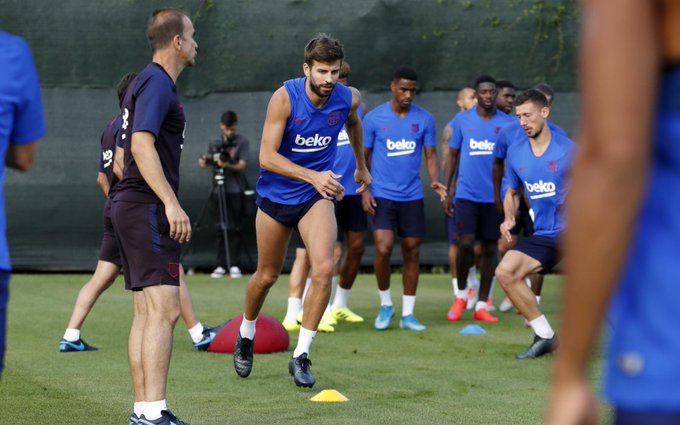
point(224, 222)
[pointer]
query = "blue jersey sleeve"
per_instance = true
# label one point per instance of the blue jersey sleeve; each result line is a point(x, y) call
point(456, 140)
point(152, 104)
point(29, 122)
point(369, 131)
point(430, 134)
point(500, 149)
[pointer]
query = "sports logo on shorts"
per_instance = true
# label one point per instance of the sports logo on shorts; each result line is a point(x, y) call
point(333, 118)
point(552, 166)
point(415, 128)
point(173, 269)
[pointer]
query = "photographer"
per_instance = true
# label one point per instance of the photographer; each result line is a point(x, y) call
point(228, 156)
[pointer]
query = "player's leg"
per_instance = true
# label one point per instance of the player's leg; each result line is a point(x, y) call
point(135, 351)
point(466, 218)
point(488, 232)
point(349, 270)
point(411, 230)
point(384, 221)
point(200, 335)
point(4, 300)
point(296, 286)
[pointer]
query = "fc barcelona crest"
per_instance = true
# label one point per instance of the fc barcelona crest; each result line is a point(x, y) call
point(415, 128)
point(552, 166)
point(333, 118)
point(497, 130)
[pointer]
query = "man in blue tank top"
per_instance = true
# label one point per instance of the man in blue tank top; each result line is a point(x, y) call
point(297, 189)
point(474, 136)
point(624, 226)
point(539, 164)
point(395, 135)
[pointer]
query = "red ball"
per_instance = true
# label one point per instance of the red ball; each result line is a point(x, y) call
point(270, 336)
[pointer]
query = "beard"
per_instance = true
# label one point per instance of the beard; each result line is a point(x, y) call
point(317, 89)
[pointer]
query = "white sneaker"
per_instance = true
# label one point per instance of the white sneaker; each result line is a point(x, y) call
point(235, 272)
point(218, 273)
point(506, 305)
point(473, 296)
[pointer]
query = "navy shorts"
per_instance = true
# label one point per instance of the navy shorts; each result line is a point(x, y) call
point(296, 240)
point(523, 224)
point(477, 218)
point(109, 250)
point(149, 257)
point(541, 248)
point(350, 215)
point(407, 217)
point(288, 215)
point(625, 417)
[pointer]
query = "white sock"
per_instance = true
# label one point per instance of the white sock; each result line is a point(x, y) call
point(481, 305)
point(139, 408)
point(461, 293)
point(527, 281)
point(72, 335)
point(542, 328)
point(454, 284)
point(334, 286)
point(385, 297)
point(152, 409)
point(305, 339)
point(196, 332)
point(341, 297)
point(538, 299)
point(493, 285)
point(472, 281)
point(247, 328)
point(294, 308)
point(407, 305)
point(308, 283)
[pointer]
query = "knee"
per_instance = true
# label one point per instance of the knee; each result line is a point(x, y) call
point(383, 250)
point(356, 248)
point(504, 276)
point(322, 270)
point(266, 278)
point(411, 252)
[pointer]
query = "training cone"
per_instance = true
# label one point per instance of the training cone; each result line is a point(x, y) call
point(329, 396)
point(472, 330)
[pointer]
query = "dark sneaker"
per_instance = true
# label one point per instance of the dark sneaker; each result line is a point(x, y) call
point(71, 346)
point(299, 368)
point(540, 347)
point(134, 420)
point(208, 335)
point(167, 418)
point(243, 356)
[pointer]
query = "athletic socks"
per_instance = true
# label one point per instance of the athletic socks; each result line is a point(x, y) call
point(139, 408)
point(385, 297)
point(542, 328)
point(341, 297)
point(461, 293)
point(72, 335)
point(408, 304)
point(152, 409)
point(247, 328)
point(196, 333)
point(305, 339)
point(294, 308)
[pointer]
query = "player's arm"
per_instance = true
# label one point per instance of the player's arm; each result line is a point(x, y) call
point(446, 137)
point(450, 170)
point(278, 112)
point(498, 171)
point(620, 45)
point(510, 207)
point(118, 162)
point(20, 156)
point(103, 183)
point(149, 164)
point(433, 171)
point(355, 131)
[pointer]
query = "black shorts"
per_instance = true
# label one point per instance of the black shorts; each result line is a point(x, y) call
point(109, 250)
point(477, 218)
point(149, 257)
point(407, 217)
point(523, 225)
point(350, 215)
point(626, 417)
point(288, 215)
point(541, 248)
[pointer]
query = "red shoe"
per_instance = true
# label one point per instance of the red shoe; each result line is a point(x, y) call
point(457, 309)
point(484, 316)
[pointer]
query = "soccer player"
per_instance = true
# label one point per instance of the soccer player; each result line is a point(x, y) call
point(621, 245)
point(540, 164)
point(395, 135)
point(475, 133)
point(506, 95)
point(21, 125)
point(297, 189)
point(148, 220)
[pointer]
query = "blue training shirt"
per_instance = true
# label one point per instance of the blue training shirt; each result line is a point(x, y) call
point(544, 180)
point(21, 113)
point(476, 138)
point(397, 145)
point(345, 163)
point(643, 371)
point(309, 140)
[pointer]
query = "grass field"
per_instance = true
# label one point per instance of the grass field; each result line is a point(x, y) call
point(392, 377)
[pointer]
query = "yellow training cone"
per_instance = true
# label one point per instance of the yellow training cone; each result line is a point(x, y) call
point(329, 396)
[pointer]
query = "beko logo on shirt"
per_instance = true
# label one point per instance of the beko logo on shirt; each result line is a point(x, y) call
point(312, 144)
point(400, 147)
point(541, 189)
point(343, 138)
point(481, 147)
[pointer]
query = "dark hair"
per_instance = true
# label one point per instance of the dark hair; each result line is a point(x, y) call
point(545, 89)
point(484, 79)
point(163, 25)
point(405, 73)
point(323, 48)
point(534, 96)
point(345, 69)
point(123, 84)
point(501, 84)
point(229, 118)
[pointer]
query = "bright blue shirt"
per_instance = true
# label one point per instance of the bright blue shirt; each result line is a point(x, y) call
point(397, 145)
point(544, 180)
point(345, 163)
point(309, 140)
point(21, 113)
point(475, 138)
point(643, 370)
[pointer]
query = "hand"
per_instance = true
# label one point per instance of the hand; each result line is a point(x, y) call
point(202, 163)
point(571, 403)
point(440, 190)
point(180, 227)
point(506, 226)
point(368, 203)
point(447, 204)
point(363, 177)
point(326, 183)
